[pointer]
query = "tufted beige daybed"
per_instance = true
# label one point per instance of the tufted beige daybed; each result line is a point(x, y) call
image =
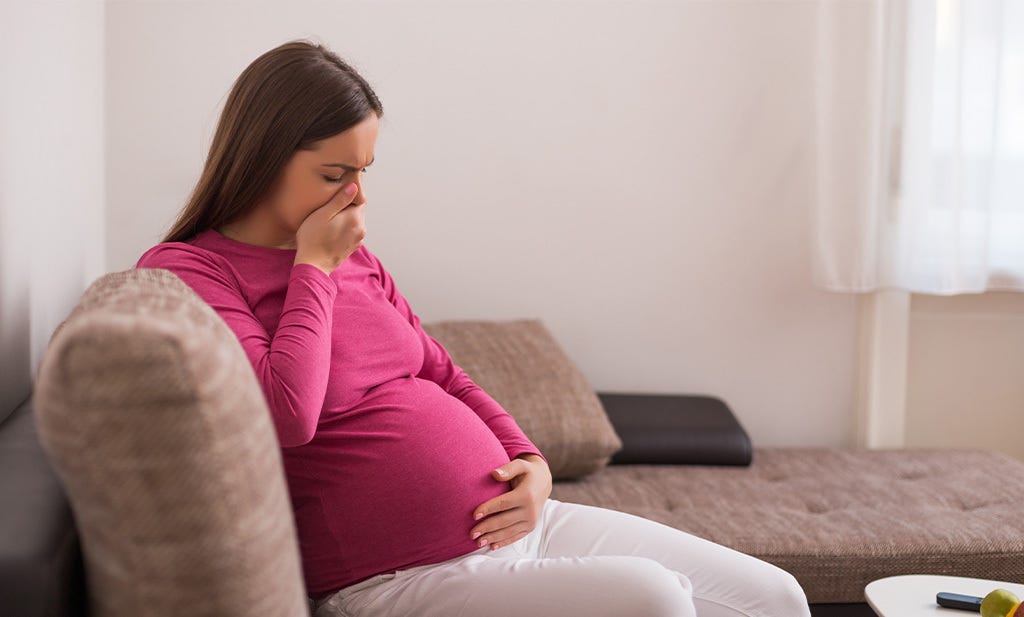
point(838, 519)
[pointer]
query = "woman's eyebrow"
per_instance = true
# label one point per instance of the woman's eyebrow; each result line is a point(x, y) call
point(350, 167)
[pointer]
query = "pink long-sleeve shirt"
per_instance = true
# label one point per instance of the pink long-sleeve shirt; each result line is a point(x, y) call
point(388, 446)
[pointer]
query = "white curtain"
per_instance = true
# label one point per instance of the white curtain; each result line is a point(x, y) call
point(919, 128)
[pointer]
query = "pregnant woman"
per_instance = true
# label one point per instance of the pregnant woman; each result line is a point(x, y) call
point(415, 493)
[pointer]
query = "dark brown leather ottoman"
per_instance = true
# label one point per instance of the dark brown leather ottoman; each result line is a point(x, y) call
point(837, 518)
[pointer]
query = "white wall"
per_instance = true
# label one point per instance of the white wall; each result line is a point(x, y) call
point(965, 372)
point(51, 175)
point(635, 174)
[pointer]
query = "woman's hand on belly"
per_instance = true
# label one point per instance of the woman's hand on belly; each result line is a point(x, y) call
point(512, 515)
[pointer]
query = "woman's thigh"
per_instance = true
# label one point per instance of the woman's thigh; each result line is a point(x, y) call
point(726, 582)
point(513, 584)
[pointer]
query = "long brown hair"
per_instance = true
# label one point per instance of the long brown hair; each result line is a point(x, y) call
point(285, 100)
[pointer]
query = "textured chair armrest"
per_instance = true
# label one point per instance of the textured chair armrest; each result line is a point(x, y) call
point(676, 429)
point(41, 569)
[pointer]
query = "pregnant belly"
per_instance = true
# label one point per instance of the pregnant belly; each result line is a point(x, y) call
point(403, 472)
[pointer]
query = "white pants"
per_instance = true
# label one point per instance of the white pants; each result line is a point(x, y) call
point(586, 561)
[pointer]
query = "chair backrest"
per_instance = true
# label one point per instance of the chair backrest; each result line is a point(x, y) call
point(153, 419)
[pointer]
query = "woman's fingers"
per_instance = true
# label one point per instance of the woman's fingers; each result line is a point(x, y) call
point(511, 469)
point(498, 521)
point(512, 499)
point(516, 497)
point(497, 545)
point(504, 536)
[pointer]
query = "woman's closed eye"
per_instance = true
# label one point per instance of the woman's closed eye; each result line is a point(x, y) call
point(340, 178)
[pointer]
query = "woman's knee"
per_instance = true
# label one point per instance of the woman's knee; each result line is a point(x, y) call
point(654, 590)
point(786, 595)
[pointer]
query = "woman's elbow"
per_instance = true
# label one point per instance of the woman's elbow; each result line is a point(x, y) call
point(295, 434)
point(295, 427)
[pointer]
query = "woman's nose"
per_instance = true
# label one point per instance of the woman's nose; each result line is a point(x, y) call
point(360, 197)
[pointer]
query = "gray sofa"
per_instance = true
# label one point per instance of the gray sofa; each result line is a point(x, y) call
point(41, 568)
point(110, 501)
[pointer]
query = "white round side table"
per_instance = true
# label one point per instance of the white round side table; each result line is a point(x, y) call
point(913, 595)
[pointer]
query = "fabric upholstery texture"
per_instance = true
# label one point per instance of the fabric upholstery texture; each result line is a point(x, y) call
point(152, 416)
point(838, 518)
point(521, 365)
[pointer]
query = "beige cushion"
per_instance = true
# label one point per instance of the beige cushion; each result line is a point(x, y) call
point(521, 365)
point(148, 408)
point(838, 518)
